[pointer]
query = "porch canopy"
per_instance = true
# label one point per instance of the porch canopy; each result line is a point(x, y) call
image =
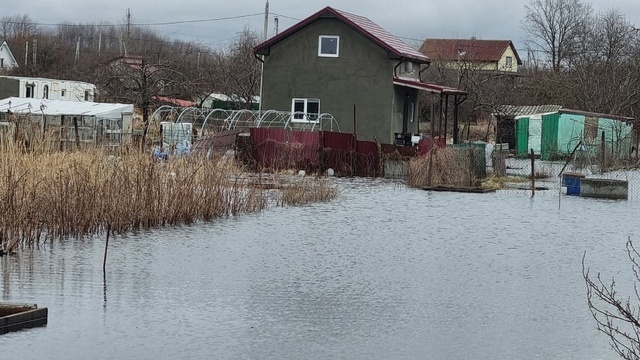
point(459, 96)
point(61, 107)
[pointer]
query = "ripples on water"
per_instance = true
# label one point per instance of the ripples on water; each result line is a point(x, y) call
point(385, 272)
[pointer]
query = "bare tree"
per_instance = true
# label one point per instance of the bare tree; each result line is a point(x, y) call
point(240, 75)
point(141, 82)
point(556, 28)
point(17, 26)
point(616, 316)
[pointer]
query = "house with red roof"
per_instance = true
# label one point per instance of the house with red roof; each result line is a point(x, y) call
point(487, 55)
point(345, 65)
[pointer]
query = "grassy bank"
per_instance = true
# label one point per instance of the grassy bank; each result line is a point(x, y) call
point(48, 196)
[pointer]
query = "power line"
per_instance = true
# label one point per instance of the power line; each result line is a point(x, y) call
point(142, 24)
point(286, 17)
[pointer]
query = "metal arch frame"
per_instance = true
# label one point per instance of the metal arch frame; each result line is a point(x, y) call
point(227, 114)
point(231, 119)
point(186, 111)
point(163, 108)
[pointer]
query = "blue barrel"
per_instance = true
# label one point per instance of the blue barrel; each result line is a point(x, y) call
point(572, 182)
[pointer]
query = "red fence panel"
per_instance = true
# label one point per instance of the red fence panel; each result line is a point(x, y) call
point(260, 135)
point(280, 149)
point(335, 140)
point(425, 145)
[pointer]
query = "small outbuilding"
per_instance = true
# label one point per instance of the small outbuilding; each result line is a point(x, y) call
point(553, 132)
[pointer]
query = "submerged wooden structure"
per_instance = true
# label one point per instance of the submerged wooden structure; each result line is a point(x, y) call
point(14, 317)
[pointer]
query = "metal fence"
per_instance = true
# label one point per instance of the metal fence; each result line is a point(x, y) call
point(549, 178)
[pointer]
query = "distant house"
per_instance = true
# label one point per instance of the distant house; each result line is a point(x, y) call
point(553, 132)
point(344, 64)
point(7, 60)
point(42, 88)
point(488, 55)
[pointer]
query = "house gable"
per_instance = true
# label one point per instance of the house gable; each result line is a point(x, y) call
point(7, 60)
point(396, 48)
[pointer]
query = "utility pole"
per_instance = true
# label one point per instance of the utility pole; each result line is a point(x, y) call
point(264, 38)
point(35, 50)
point(26, 52)
point(99, 43)
point(266, 21)
point(77, 50)
point(128, 22)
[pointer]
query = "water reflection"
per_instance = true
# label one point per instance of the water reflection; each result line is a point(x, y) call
point(384, 272)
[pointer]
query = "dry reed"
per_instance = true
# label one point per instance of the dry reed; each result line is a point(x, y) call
point(54, 195)
point(307, 190)
point(448, 167)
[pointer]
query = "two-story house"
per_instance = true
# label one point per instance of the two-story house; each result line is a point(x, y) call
point(346, 65)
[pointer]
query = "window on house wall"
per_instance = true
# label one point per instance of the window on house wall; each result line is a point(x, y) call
point(328, 46)
point(508, 62)
point(2, 63)
point(86, 95)
point(45, 92)
point(303, 109)
point(63, 92)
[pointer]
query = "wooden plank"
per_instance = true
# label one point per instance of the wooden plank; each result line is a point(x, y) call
point(462, 189)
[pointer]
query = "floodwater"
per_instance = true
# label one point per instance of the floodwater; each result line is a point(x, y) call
point(384, 272)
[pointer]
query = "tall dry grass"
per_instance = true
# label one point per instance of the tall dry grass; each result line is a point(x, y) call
point(307, 190)
point(449, 166)
point(53, 195)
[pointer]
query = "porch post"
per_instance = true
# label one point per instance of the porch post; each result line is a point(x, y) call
point(446, 116)
point(455, 119)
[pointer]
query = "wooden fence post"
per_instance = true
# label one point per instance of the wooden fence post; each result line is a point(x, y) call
point(533, 173)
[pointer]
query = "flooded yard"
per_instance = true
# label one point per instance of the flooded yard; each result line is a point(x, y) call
point(384, 272)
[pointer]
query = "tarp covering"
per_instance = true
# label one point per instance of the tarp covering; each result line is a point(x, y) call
point(60, 107)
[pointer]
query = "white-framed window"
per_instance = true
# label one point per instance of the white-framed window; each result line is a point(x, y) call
point(508, 62)
point(63, 92)
point(305, 109)
point(328, 46)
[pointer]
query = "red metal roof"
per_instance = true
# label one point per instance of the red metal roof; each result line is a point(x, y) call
point(468, 49)
point(432, 88)
point(174, 101)
point(361, 24)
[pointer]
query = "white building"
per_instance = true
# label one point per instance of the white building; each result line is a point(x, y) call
point(42, 88)
point(7, 60)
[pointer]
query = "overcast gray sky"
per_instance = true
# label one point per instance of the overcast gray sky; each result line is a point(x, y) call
point(408, 19)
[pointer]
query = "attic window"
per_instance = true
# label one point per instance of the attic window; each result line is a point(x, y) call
point(328, 46)
point(508, 62)
point(1, 63)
